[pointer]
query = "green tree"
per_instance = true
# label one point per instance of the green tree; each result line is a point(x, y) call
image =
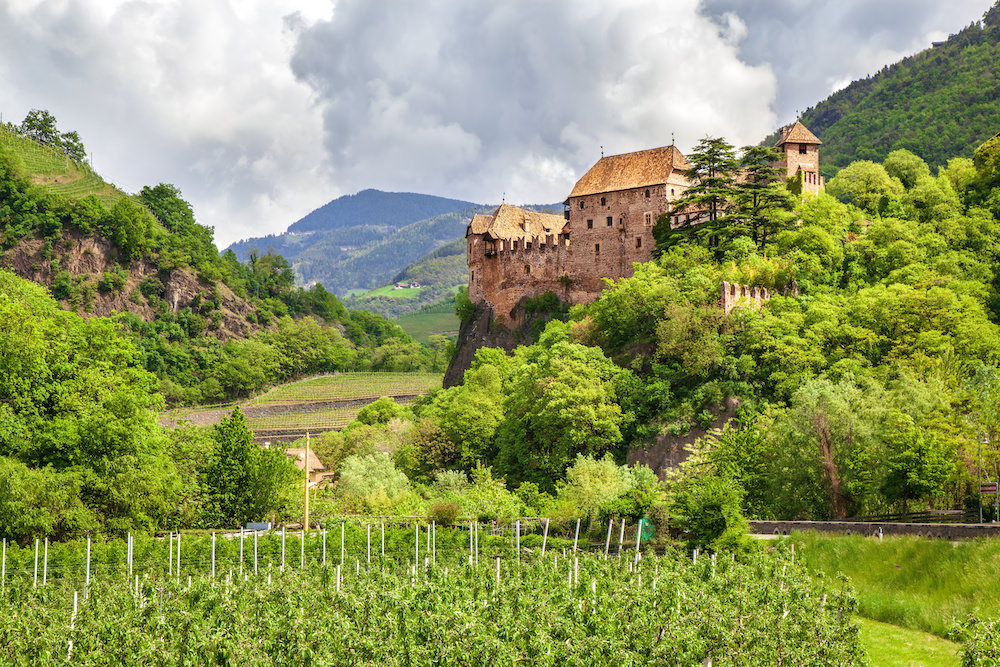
point(713, 187)
point(40, 125)
point(906, 166)
point(244, 481)
point(867, 185)
point(762, 200)
point(706, 509)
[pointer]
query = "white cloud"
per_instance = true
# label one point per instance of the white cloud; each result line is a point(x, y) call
point(261, 111)
point(194, 93)
point(472, 99)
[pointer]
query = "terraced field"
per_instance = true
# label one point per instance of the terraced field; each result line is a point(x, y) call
point(52, 169)
point(314, 405)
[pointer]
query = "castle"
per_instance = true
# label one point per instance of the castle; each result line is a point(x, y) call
point(607, 226)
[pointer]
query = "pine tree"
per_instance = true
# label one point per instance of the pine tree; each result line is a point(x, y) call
point(762, 201)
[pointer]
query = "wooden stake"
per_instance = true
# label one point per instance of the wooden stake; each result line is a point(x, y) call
point(607, 543)
point(255, 551)
point(170, 553)
point(35, 584)
point(576, 536)
point(282, 548)
point(213, 556)
point(241, 551)
point(545, 536)
point(45, 564)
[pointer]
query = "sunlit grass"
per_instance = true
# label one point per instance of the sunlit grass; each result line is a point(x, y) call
point(919, 583)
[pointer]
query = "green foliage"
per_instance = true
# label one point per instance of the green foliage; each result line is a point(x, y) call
point(379, 412)
point(706, 509)
point(372, 482)
point(244, 481)
point(464, 308)
point(867, 185)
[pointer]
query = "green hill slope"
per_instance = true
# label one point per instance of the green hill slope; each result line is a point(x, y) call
point(940, 103)
point(52, 169)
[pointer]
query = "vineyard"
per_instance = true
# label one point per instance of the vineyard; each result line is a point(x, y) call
point(52, 169)
point(317, 404)
point(438, 596)
point(350, 386)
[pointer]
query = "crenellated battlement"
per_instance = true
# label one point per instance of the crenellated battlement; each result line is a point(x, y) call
point(735, 295)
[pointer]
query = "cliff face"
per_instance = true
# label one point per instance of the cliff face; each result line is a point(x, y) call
point(483, 330)
point(87, 258)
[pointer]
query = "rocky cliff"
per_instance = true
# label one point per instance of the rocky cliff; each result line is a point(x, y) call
point(143, 288)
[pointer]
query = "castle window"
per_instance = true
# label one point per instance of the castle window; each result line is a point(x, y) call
point(597, 248)
point(527, 245)
point(590, 224)
point(649, 219)
point(647, 193)
point(802, 149)
point(472, 276)
point(527, 268)
point(581, 203)
point(610, 221)
point(638, 241)
point(604, 201)
point(671, 192)
point(514, 245)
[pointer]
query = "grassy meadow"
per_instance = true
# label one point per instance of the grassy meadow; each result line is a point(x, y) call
point(917, 583)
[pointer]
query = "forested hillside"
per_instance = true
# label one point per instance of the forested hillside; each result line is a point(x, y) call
point(210, 327)
point(939, 103)
point(361, 241)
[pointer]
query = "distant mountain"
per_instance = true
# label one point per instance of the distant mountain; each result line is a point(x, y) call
point(361, 241)
point(940, 103)
point(392, 209)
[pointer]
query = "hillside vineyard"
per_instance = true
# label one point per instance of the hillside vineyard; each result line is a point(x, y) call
point(606, 228)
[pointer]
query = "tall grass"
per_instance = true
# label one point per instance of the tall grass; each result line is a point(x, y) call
point(919, 583)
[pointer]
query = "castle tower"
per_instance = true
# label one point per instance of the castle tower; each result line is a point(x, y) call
point(800, 149)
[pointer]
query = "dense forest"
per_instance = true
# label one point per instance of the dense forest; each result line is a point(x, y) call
point(938, 103)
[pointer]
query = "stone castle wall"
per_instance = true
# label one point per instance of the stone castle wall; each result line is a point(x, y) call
point(812, 182)
point(504, 271)
point(612, 231)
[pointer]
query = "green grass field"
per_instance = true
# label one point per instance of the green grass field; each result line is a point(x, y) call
point(346, 386)
point(423, 324)
point(391, 292)
point(892, 646)
point(912, 582)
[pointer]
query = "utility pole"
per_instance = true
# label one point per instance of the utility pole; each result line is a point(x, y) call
point(305, 523)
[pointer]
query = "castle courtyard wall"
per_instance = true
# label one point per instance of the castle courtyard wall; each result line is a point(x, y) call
point(518, 269)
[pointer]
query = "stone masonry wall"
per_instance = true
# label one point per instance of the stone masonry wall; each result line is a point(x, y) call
point(611, 232)
point(812, 182)
point(517, 269)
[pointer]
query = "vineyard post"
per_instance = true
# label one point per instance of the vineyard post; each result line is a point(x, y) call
point(416, 542)
point(470, 543)
point(383, 539)
point(621, 537)
point(3, 569)
point(434, 542)
point(213, 556)
point(241, 551)
point(638, 533)
point(282, 548)
point(545, 537)
point(86, 581)
point(498, 572)
point(576, 536)
point(305, 469)
point(45, 563)
point(341, 546)
point(369, 526)
point(607, 542)
point(302, 549)
point(517, 543)
point(255, 551)
point(170, 553)
point(178, 555)
point(324, 546)
point(35, 584)
point(427, 548)
point(131, 554)
point(477, 541)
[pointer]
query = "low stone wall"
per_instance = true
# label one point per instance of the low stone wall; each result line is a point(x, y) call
point(951, 531)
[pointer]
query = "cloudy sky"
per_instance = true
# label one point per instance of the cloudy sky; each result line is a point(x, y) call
point(262, 110)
